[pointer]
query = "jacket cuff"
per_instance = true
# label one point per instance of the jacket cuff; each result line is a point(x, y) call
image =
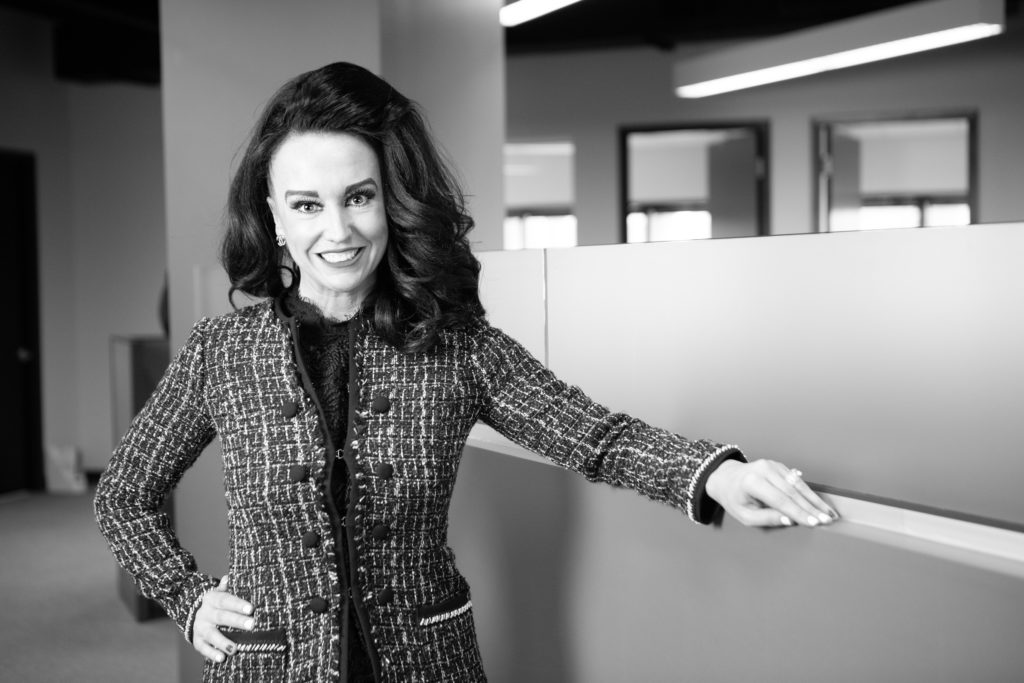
point(700, 507)
point(188, 601)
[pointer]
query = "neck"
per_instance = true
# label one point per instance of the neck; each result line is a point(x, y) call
point(334, 307)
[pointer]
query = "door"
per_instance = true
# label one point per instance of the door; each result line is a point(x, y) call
point(735, 177)
point(21, 457)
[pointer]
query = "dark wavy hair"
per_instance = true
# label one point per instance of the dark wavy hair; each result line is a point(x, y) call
point(428, 278)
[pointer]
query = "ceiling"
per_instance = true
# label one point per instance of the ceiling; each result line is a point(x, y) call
point(119, 40)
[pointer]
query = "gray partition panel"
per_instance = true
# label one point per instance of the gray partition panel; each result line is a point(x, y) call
point(887, 363)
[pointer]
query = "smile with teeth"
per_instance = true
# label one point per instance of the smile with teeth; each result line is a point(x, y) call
point(341, 256)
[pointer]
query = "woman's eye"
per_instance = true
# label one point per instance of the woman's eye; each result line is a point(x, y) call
point(305, 207)
point(360, 199)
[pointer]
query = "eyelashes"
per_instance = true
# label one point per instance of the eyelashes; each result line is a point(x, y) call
point(357, 199)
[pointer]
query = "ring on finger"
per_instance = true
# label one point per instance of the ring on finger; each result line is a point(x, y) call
point(793, 476)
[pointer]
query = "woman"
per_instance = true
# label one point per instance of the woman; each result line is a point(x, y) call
point(343, 402)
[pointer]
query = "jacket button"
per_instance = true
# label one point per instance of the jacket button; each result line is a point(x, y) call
point(298, 473)
point(381, 532)
point(381, 404)
point(289, 409)
point(317, 605)
point(385, 470)
point(310, 539)
point(385, 596)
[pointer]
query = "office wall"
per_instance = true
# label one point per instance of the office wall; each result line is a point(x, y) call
point(598, 584)
point(424, 50)
point(585, 96)
point(120, 253)
point(100, 225)
point(34, 118)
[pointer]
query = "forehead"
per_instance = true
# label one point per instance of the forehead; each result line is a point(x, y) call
point(323, 158)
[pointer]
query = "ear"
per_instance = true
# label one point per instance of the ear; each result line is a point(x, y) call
point(273, 212)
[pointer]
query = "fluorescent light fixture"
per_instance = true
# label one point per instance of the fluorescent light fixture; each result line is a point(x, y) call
point(525, 10)
point(870, 38)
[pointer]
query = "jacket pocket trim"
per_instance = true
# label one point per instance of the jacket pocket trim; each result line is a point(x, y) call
point(259, 641)
point(442, 611)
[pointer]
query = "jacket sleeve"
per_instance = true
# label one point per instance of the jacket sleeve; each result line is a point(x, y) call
point(525, 402)
point(163, 441)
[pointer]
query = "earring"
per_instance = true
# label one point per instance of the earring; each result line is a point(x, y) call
point(280, 240)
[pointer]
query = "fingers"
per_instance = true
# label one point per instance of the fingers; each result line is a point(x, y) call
point(784, 490)
point(792, 484)
point(213, 644)
point(220, 609)
point(787, 509)
point(767, 493)
point(778, 496)
point(766, 517)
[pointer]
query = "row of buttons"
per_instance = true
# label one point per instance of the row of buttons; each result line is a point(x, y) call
point(379, 405)
point(300, 473)
point(319, 605)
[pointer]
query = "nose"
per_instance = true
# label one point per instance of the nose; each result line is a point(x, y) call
point(338, 227)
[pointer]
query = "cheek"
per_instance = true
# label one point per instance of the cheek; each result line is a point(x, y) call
point(380, 231)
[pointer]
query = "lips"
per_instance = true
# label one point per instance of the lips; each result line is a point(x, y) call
point(342, 256)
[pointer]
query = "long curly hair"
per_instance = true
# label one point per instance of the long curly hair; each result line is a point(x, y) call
point(428, 278)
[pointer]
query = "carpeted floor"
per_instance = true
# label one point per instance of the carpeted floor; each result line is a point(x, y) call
point(60, 617)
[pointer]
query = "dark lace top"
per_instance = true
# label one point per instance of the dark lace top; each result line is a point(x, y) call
point(323, 343)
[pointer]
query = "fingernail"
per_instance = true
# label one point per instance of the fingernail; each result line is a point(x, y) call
point(231, 649)
point(248, 609)
point(786, 521)
point(835, 515)
point(813, 521)
point(220, 657)
point(825, 519)
point(249, 623)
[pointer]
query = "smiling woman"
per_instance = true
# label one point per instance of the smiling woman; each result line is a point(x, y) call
point(343, 403)
point(328, 212)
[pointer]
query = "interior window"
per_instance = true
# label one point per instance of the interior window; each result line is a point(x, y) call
point(539, 195)
point(694, 182)
point(895, 173)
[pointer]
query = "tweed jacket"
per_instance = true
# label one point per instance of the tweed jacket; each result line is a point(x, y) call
point(238, 377)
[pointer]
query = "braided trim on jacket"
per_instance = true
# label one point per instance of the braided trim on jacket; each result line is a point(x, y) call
point(699, 506)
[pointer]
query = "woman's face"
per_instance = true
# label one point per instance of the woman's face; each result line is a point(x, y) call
point(328, 203)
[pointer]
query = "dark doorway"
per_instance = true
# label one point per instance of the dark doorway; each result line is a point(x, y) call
point(21, 457)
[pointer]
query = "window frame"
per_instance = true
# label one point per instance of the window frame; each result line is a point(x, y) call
point(820, 133)
point(761, 129)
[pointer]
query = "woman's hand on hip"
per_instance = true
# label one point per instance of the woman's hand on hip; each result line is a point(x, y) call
point(767, 493)
point(219, 608)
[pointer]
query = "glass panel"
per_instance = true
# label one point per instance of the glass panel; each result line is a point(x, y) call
point(540, 232)
point(513, 236)
point(947, 214)
point(680, 225)
point(889, 173)
point(693, 183)
point(877, 218)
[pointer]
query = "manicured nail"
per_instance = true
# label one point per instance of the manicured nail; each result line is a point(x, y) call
point(248, 609)
point(220, 657)
point(813, 521)
point(249, 623)
point(231, 649)
point(786, 521)
point(825, 519)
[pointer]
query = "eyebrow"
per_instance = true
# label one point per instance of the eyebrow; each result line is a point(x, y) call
point(313, 193)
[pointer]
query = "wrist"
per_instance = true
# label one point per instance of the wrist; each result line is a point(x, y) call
point(718, 479)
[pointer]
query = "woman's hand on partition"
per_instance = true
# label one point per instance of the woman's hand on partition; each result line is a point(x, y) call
point(767, 494)
point(219, 608)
